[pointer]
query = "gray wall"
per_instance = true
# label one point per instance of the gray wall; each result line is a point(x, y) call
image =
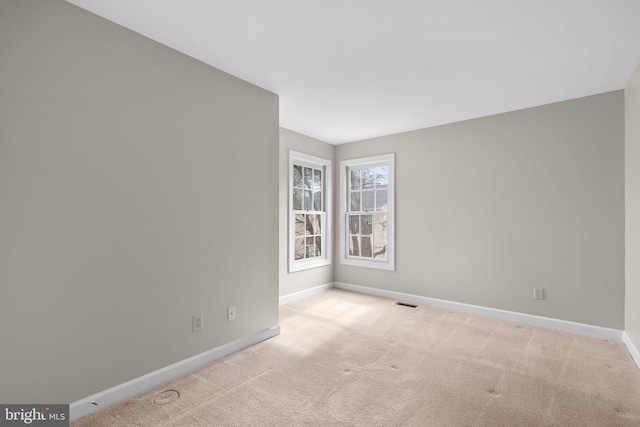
point(632, 200)
point(489, 208)
point(137, 187)
point(300, 280)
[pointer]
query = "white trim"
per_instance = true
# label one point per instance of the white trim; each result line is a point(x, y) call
point(632, 348)
point(320, 163)
point(389, 263)
point(547, 322)
point(305, 293)
point(146, 382)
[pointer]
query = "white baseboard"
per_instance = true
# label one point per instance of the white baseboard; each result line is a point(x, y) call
point(305, 293)
point(131, 388)
point(632, 348)
point(547, 322)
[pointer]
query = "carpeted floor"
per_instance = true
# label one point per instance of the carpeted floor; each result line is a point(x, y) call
point(347, 359)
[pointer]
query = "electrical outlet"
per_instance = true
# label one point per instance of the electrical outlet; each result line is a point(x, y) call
point(198, 322)
point(538, 293)
point(231, 313)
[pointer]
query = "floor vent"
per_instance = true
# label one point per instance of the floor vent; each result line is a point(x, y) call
point(406, 304)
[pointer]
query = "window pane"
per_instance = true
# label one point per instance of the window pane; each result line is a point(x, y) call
point(355, 201)
point(380, 225)
point(297, 176)
point(367, 200)
point(299, 248)
point(318, 224)
point(366, 247)
point(355, 179)
point(317, 201)
point(318, 246)
point(382, 176)
point(307, 200)
point(308, 177)
point(354, 248)
point(366, 226)
point(368, 178)
point(380, 247)
point(299, 226)
point(297, 200)
point(317, 178)
point(311, 219)
point(310, 248)
point(381, 200)
point(354, 224)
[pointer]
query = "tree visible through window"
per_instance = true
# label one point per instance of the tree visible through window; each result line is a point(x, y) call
point(308, 210)
point(368, 194)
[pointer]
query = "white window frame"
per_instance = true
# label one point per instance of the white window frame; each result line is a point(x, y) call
point(303, 159)
point(371, 161)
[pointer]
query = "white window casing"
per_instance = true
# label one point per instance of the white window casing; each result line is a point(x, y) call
point(367, 212)
point(310, 219)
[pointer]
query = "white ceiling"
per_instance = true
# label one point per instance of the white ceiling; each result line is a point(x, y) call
point(347, 70)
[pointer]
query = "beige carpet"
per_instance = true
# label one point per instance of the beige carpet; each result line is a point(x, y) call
point(347, 359)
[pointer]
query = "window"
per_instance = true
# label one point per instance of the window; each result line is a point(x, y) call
point(309, 211)
point(367, 212)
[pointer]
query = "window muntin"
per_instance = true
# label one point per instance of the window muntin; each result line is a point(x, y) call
point(367, 210)
point(309, 212)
